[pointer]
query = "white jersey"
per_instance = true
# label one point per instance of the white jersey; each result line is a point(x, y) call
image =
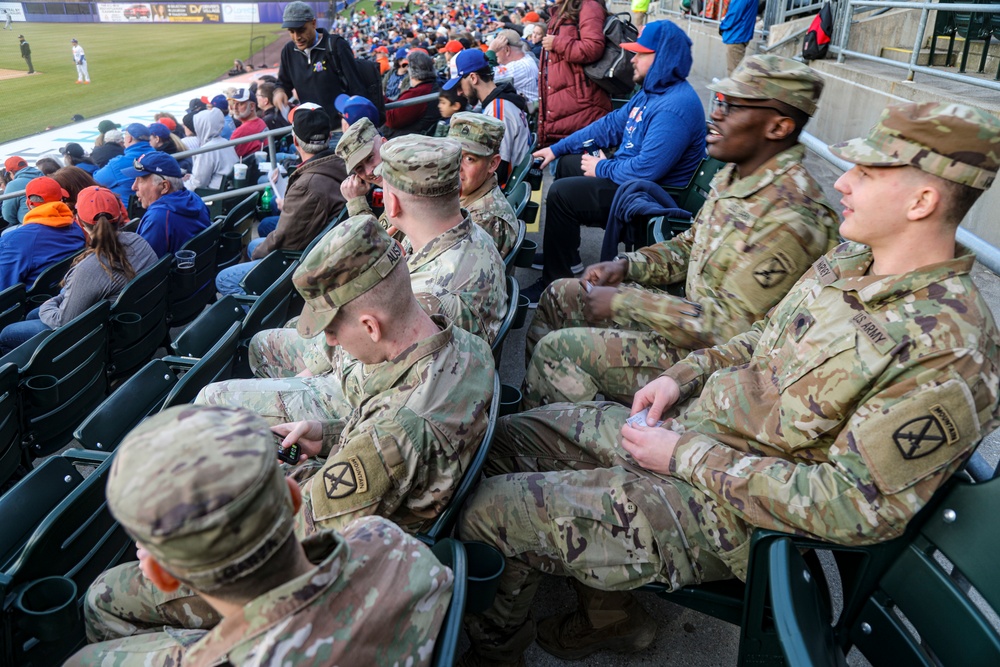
point(78, 56)
point(523, 74)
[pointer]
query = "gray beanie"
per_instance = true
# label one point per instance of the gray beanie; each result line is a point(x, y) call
point(421, 67)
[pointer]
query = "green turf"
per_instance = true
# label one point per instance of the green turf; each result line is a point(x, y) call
point(129, 64)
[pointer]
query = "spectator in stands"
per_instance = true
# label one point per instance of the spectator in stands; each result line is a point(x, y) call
point(136, 145)
point(47, 235)
point(210, 168)
point(417, 118)
point(568, 100)
point(353, 108)
point(74, 156)
point(514, 63)
point(737, 30)
point(162, 139)
point(244, 107)
point(47, 165)
point(660, 137)
point(451, 260)
point(836, 417)
point(190, 139)
point(310, 62)
point(475, 76)
point(616, 336)
point(102, 129)
point(311, 201)
point(271, 115)
point(452, 49)
point(112, 258)
point(173, 214)
point(360, 149)
point(73, 180)
point(20, 174)
point(480, 137)
point(397, 80)
point(169, 121)
point(217, 519)
point(221, 103)
point(112, 145)
point(535, 40)
point(450, 102)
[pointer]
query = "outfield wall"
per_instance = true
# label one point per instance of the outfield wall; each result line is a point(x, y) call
point(151, 12)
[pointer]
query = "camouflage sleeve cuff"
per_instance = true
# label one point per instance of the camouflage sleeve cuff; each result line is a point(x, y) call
point(687, 377)
point(638, 268)
point(331, 435)
point(691, 449)
point(357, 206)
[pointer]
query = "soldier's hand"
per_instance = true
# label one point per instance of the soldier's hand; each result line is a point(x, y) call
point(652, 448)
point(546, 154)
point(607, 273)
point(353, 187)
point(597, 304)
point(659, 395)
point(308, 434)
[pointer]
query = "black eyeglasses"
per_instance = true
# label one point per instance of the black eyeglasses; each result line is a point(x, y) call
point(724, 107)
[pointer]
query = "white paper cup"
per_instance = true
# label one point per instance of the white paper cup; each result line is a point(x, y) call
point(239, 171)
point(265, 167)
point(261, 156)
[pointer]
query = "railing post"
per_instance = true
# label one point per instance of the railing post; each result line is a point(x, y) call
point(845, 29)
point(921, 28)
point(272, 155)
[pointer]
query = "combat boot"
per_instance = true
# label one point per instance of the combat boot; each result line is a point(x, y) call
point(603, 620)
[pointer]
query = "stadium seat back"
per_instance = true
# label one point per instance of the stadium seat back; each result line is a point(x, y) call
point(208, 328)
point(513, 292)
point(215, 366)
point(12, 301)
point(65, 380)
point(509, 261)
point(10, 423)
point(137, 398)
point(265, 273)
point(139, 319)
point(451, 553)
point(270, 309)
point(47, 284)
point(188, 295)
point(518, 198)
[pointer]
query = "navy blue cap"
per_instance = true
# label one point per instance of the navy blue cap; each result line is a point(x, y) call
point(356, 107)
point(138, 131)
point(467, 62)
point(159, 130)
point(157, 162)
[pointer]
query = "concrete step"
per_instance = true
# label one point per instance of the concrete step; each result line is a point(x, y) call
point(923, 57)
point(975, 47)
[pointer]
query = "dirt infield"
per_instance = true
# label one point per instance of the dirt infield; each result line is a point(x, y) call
point(11, 74)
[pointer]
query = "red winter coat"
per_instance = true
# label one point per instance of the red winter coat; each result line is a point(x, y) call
point(567, 99)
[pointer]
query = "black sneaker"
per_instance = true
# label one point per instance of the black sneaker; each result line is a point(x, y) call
point(534, 292)
point(539, 263)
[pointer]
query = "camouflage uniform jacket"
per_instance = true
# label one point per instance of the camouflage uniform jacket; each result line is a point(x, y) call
point(751, 241)
point(376, 597)
point(415, 423)
point(459, 274)
point(842, 413)
point(489, 208)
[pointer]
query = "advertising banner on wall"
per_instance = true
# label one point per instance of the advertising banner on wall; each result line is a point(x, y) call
point(158, 12)
point(119, 12)
point(241, 13)
point(12, 9)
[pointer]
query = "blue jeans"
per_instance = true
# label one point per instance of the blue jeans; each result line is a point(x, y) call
point(227, 281)
point(267, 225)
point(17, 333)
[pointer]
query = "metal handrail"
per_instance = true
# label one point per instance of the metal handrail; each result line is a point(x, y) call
point(912, 67)
point(986, 254)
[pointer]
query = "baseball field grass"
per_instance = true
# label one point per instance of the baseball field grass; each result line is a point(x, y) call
point(129, 64)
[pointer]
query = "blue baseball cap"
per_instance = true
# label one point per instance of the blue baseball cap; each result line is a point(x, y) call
point(649, 38)
point(467, 62)
point(355, 107)
point(159, 130)
point(157, 162)
point(401, 53)
point(138, 131)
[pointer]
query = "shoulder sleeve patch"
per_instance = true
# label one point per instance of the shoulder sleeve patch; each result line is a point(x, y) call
point(766, 278)
point(916, 436)
point(353, 480)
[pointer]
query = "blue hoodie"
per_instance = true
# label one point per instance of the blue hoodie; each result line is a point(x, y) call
point(660, 133)
point(13, 210)
point(110, 175)
point(173, 219)
point(47, 236)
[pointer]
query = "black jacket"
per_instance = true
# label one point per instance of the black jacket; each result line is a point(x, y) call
point(317, 78)
point(25, 50)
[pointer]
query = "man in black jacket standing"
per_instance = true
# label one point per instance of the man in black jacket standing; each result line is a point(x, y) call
point(26, 53)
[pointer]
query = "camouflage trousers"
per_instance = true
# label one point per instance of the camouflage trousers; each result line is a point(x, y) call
point(283, 353)
point(281, 400)
point(569, 360)
point(563, 498)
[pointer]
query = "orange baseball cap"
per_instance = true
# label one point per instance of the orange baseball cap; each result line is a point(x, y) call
point(15, 163)
point(46, 188)
point(95, 201)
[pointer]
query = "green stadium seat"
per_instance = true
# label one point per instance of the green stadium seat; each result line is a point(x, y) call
point(451, 553)
point(506, 324)
point(47, 284)
point(12, 302)
point(235, 234)
point(690, 198)
point(187, 294)
point(215, 366)
point(265, 273)
point(11, 456)
point(139, 319)
point(509, 261)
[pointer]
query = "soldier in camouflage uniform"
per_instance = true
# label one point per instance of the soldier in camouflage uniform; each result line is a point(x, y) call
point(837, 417)
point(200, 491)
point(481, 196)
point(765, 221)
point(454, 265)
point(359, 149)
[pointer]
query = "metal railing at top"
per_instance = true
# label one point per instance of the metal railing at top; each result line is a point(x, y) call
point(912, 67)
point(986, 254)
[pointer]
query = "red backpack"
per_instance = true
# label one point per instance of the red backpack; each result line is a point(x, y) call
point(816, 43)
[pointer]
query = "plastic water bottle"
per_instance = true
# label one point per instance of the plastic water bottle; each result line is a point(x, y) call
point(266, 198)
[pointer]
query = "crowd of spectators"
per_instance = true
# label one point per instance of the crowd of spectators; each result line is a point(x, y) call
point(762, 369)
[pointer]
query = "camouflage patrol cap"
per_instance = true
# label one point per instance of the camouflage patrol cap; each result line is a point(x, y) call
point(199, 487)
point(479, 134)
point(352, 258)
point(357, 143)
point(955, 142)
point(765, 77)
point(423, 166)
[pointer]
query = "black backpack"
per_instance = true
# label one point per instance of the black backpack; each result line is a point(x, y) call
point(613, 70)
point(816, 43)
point(357, 76)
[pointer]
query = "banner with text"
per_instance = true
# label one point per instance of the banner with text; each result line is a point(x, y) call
point(242, 13)
point(158, 12)
point(12, 9)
